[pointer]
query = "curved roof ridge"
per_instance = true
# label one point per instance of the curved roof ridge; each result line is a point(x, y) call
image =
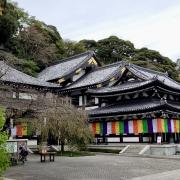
point(169, 79)
point(121, 89)
point(71, 57)
point(64, 67)
point(150, 70)
point(68, 59)
point(127, 83)
point(127, 106)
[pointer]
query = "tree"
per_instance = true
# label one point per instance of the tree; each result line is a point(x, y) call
point(89, 44)
point(67, 124)
point(111, 49)
point(8, 24)
point(4, 158)
point(29, 67)
point(154, 60)
point(72, 48)
point(36, 46)
point(2, 6)
point(30, 39)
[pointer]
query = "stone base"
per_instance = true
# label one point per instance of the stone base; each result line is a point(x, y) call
point(162, 150)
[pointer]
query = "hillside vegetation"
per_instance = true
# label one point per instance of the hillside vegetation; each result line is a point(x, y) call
point(31, 45)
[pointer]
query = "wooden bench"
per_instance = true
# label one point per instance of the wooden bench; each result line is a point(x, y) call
point(50, 154)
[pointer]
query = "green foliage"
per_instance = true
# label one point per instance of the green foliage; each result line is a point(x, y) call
point(8, 26)
point(154, 60)
point(111, 49)
point(72, 48)
point(30, 67)
point(66, 124)
point(35, 41)
point(89, 44)
point(4, 157)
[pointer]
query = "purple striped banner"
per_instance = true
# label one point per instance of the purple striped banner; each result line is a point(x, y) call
point(169, 125)
point(150, 125)
point(126, 129)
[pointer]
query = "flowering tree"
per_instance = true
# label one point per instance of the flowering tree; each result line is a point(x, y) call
point(67, 124)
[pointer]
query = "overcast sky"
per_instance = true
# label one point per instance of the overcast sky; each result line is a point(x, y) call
point(147, 23)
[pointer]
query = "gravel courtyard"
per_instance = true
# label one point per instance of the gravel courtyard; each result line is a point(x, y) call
point(99, 167)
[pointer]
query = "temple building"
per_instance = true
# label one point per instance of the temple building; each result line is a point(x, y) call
point(124, 102)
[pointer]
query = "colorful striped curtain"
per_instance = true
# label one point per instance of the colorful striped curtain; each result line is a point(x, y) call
point(18, 130)
point(145, 125)
point(29, 129)
point(24, 129)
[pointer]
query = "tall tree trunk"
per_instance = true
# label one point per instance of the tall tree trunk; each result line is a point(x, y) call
point(62, 146)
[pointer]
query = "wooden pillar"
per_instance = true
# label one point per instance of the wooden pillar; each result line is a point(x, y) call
point(121, 138)
point(140, 138)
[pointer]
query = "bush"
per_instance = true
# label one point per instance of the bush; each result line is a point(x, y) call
point(4, 157)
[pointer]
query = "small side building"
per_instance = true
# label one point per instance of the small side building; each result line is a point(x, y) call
point(22, 95)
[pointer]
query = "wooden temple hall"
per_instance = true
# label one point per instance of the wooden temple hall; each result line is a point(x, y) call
point(124, 102)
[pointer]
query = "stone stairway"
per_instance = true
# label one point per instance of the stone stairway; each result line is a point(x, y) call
point(133, 149)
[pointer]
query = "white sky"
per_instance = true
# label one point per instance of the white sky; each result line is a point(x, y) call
point(146, 23)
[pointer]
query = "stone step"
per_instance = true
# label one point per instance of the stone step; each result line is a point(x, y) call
point(133, 149)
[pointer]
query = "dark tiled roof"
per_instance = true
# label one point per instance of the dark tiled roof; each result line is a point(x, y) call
point(65, 67)
point(148, 74)
point(97, 76)
point(144, 73)
point(135, 106)
point(120, 88)
point(128, 106)
point(10, 74)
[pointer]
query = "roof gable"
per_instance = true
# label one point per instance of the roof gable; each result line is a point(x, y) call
point(97, 76)
point(65, 67)
point(148, 74)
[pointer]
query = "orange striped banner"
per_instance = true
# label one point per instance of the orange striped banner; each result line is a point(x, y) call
point(97, 128)
point(159, 125)
point(94, 128)
point(113, 127)
point(117, 127)
point(140, 126)
point(162, 125)
point(176, 126)
point(135, 126)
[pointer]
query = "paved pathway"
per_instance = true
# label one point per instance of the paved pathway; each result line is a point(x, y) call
point(100, 167)
point(168, 175)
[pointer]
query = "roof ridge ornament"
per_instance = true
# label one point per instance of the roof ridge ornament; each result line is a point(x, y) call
point(126, 63)
point(155, 77)
point(166, 73)
point(163, 101)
